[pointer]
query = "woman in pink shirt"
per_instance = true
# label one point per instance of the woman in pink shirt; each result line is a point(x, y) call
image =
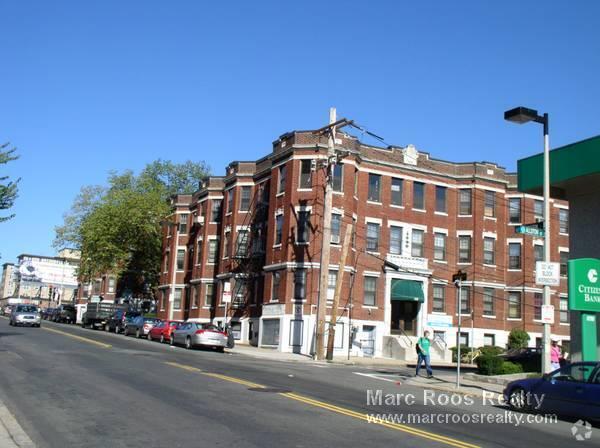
point(555, 355)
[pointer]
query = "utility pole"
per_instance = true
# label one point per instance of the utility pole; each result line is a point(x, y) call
point(546, 365)
point(458, 278)
point(326, 241)
point(338, 292)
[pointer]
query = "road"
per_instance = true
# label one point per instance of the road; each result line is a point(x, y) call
point(71, 387)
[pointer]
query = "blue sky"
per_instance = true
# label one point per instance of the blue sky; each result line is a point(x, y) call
point(87, 87)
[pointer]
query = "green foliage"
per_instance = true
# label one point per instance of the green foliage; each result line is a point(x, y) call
point(8, 188)
point(510, 367)
point(518, 338)
point(117, 227)
point(463, 349)
point(490, 350)
point(489, 365)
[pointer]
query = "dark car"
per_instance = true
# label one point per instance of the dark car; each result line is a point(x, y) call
point(65, 314)
point(118, 320)
point(140, 326)
point(572, 390)
point(48, 313)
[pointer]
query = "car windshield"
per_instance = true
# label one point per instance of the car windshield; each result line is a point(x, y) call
point(27, 309)
point(209, 327)
point(149, 320)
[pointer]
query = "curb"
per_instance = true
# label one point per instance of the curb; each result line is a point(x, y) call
point(461, 391)
point(11, 433)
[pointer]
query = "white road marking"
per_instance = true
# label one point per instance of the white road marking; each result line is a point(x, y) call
point(376, 377)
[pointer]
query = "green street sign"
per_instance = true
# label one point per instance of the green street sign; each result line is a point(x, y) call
point(529, 230)
point(584, 284)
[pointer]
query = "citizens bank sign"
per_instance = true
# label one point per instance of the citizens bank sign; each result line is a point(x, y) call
point(584, 284)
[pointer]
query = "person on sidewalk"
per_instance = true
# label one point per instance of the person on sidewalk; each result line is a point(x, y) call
point(555, 355)
point(423, 345)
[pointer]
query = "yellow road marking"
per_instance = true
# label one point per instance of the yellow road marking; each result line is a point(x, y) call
point(337, 409)
point(79, 338)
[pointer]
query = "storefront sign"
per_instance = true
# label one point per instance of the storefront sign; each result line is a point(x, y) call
point(584, 284)
point(439, 320)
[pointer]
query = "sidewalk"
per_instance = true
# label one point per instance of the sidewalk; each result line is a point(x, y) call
point(11, 433)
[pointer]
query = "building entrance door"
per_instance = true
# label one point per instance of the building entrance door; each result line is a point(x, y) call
point(404, 317)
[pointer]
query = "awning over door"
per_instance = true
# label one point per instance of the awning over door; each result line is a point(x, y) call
point(407, 290)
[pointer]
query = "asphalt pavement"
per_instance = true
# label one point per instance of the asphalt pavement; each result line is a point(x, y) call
point(74, 387)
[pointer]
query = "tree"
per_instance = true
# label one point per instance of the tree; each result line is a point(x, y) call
point(518, 338)
point(117, 227)
point(8, 190)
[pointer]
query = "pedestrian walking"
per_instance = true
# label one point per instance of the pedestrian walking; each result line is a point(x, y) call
point(423, 345)
point(555, 355)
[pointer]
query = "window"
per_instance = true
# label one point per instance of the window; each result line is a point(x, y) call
point(111, 284)
point(177, 299)
point(464, 201)
point(303, 229)
point(439, 297)
point(183, 223)
point(564, 310)
point(282, 176)
point(245, 197)
point(419, 195)
point(300, 284)
point(276, 276)
point(538, 252)
point(278, 229)
point(465, 300)
point(514, 305)
point(199, 252)
point(489, 206)
point(331, 282)
point(213, 250)
point(538, 209)
point(563, 220)
point(216, 210)
point(195, 292)
point(538, 300)
point(242, 243)
point(397, 190)
point(226, 244)
point(440, 199)
point(240, 291)
point(370, 290)
point(564, 258)
point(514, 210)
point(338, 177)
point(180, 259)
point(167, 260)
point(336, 224)
point(489, 339)
point(439, 246)
point(514, 256)
point(395, 240)
point(417, 243)
point(355, 182)
point(230, 201)
point(489, 251)
point(374, 187)
point(488, 302)
point(209, 294)
point(464, 248)
point(372, 236)
point(463, 339)
point(305, 174)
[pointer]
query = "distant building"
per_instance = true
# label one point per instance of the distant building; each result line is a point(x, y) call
point(8, 282)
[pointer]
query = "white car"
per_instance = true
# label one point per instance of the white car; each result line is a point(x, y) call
point(26, 315)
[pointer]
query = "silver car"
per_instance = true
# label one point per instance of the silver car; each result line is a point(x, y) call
point(25, 315)
point(194, 334)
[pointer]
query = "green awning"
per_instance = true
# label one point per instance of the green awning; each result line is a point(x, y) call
point(407, 290)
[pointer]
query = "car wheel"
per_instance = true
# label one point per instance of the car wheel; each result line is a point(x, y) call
point(137, 333)
point(220, 349)
point(162, 338)
point(188, 343)
point(517, 399)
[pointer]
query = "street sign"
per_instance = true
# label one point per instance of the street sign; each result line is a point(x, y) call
point(548, 314)
point(584, 284)
point(547, 274)
point(530, 230)
point(226, 297)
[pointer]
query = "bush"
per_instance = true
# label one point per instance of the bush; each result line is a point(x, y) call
point(518, 338)
point(463, 349)
point(508, 367)
point(490, 350)
point(489, 365)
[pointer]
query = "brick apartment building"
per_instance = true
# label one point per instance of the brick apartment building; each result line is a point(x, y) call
point(255, 235)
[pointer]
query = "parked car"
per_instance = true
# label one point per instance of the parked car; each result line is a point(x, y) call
point(97, 314)
point(8, 310)
point(572, 390)
point(47, 313)
point(140, 326)
point(162, 330)
point(194, 334)
point(26, 315)
point(65, 314)
point(119, 319)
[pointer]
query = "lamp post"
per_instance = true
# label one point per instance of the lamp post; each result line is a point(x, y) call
point(522, 115)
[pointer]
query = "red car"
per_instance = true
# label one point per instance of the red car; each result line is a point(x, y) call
point(162, 330)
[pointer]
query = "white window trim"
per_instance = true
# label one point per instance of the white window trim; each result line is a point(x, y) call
point(440, 230)
point(464, 233)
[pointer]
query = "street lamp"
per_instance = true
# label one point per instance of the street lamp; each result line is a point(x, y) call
point(522, 115)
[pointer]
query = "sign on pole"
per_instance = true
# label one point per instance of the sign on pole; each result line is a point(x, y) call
point(547, 274)
point(529, 230)
point(226, 292)
point(548, 314)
